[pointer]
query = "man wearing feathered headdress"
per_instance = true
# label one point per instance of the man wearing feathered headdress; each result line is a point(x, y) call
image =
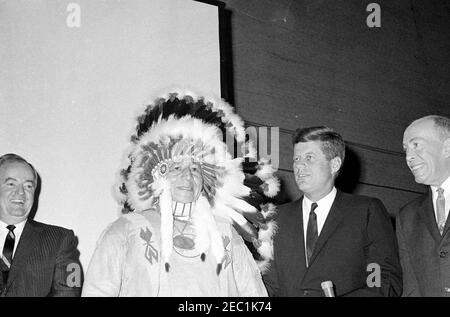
point(185, 197)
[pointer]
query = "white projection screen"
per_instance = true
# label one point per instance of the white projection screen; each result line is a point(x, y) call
point(73, 77)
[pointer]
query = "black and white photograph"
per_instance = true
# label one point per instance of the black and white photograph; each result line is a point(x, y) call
point(224, 153)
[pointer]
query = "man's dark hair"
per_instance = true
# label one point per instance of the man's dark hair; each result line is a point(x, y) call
point(332, 143)
point(11, 157)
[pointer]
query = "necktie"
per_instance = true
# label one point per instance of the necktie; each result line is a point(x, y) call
point(311, 233)
point(440, 210)
point(7, 254)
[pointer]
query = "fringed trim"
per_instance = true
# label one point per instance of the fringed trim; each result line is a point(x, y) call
point(215, 236)
point(268, 210)
point(165, 203)
point(271, 187)
point(207, 232)
point(265, 237)
point(265, 169)
point(199, 224)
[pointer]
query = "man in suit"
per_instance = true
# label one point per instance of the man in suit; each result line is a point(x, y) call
point(422, 225)
point(36, 259)
point(328, 235)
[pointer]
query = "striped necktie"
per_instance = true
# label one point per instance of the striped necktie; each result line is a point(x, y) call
point(440, 210)
point(7, 254)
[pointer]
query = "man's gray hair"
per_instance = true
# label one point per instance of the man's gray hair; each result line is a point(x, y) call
point(11, 157)
point(443, 125)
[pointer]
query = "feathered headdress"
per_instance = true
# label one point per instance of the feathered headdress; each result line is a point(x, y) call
point(207, 131)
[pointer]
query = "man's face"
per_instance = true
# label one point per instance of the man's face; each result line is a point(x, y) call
point(314, 174)
point(186, 179)
point(425, 153)
point(17, 186)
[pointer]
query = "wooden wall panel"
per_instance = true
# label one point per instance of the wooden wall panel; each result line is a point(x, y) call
point(315, 62)
point(311, 107)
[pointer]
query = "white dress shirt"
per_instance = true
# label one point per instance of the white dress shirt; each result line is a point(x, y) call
point(446, 187)
point(17, 232)
point(322, 210)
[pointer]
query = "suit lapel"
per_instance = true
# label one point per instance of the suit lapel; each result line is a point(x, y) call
point(447, 226)
point(429, 218)
point(331, 223)
point(27, 243)
point(1, 285)
point(426, 213)
point(300, 239)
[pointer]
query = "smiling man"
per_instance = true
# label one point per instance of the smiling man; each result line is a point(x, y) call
point(183, 197)
point(17, 186)
point(37, 259)
point(422, 226)
point(328, 235)
point(186, 179)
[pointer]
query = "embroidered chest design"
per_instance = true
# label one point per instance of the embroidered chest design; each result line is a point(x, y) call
point(227, 246)
point(150, 251)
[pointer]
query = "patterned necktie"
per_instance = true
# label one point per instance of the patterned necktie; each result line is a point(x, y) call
point(7, 254)
point(311, 233)
point(440, 210)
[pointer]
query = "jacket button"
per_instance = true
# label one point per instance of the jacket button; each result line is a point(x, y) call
point(305, 293)
point(443, 254)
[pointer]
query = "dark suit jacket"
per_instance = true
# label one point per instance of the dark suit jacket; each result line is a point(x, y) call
point(424, 253)
point(44, 264)
point(358, 231)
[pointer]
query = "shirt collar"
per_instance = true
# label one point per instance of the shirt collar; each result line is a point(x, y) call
point(325, 202)
point(19, 226)
point(445, 186)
